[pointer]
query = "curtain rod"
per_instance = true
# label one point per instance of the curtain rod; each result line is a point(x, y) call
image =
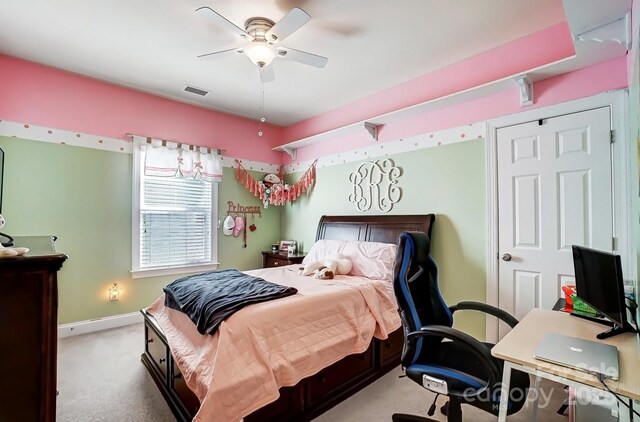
point(218, 151)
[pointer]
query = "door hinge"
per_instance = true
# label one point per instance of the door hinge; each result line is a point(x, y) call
point(613, 136)
point(614, 244)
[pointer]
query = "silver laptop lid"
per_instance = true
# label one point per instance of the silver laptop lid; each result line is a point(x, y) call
point(576, 353)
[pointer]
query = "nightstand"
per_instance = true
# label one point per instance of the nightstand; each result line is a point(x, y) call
point(277, 259)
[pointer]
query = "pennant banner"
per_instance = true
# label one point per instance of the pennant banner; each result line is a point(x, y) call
point(276, 193)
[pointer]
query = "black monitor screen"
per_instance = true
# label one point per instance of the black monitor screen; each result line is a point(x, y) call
point(599, 282)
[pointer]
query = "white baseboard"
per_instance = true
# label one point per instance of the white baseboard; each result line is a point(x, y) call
point(90, 326)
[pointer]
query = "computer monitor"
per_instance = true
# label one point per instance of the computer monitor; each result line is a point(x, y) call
point(599, 283)
point(5, 239)
point(1, 174)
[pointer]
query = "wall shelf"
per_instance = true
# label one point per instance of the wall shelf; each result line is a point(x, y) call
point(373, 125)
point(587, 54)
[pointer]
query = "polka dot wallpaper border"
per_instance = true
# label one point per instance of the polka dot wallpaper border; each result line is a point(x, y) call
point(78, 139)
point(62, 137)
point(467, 133)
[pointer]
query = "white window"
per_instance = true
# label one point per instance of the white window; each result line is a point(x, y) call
point(174, 220)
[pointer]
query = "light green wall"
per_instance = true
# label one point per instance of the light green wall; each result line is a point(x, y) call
point(231, 252)
point(83, 196)
point(448, 181)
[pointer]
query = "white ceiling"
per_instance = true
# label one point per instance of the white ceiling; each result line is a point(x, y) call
point(151, 45)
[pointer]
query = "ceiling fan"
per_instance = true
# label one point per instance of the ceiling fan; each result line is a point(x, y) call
point(263, 34)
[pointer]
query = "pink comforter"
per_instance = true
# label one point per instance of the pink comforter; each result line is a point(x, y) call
point(266, 346)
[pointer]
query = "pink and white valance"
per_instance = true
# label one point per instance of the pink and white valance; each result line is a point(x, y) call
point(169, 159)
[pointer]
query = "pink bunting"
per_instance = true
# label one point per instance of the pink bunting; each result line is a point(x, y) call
point(279, 195)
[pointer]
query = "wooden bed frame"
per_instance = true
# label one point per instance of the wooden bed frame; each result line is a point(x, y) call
point(317, 393)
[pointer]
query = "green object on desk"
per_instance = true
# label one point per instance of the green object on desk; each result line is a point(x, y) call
point(582, 307)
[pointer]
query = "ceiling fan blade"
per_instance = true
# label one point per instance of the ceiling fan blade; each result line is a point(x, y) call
point(302, 57)
point(222, 22)
point(266, 74)
point(221, 54)
point(291, 22)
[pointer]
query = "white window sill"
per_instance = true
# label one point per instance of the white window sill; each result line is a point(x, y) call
point(155, 272)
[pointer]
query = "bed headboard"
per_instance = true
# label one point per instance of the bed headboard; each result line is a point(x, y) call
point(372, 228)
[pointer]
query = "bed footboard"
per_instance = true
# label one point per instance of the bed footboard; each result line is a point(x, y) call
point(302, 402)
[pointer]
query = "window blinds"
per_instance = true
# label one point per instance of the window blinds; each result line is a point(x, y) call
point(175, 222)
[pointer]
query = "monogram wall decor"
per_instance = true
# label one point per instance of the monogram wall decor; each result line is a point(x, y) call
point(375, 184)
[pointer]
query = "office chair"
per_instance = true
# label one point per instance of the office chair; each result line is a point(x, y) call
point(438, 357)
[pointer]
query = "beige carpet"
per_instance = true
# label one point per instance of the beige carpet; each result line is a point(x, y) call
point(391, 394)
point(101, 378)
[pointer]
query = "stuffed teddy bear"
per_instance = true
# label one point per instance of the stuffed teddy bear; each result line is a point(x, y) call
point(7, 252)
point(270, 180)
point(323, 273)
point(338, 265)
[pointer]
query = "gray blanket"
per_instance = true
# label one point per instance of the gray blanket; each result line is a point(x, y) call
point(210, 298)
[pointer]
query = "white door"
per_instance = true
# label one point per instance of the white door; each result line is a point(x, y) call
point(554, 191)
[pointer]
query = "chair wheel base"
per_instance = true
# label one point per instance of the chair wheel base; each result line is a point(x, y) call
point(402, 417)
point(445, 409)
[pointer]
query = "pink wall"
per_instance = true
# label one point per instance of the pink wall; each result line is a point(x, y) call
point(578, 84)
point(539, 49)
point(635, 38)
point(36, 94)
point(44, 96)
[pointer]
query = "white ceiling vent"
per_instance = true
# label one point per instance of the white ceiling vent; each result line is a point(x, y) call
point(197, 91)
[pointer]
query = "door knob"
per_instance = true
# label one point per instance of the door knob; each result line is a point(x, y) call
point(506, 257)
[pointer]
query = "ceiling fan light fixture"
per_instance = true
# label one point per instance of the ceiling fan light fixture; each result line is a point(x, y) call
point(261, 54)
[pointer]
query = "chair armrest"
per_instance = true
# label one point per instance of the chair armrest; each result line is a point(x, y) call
point(487, 309)
point(474, 346)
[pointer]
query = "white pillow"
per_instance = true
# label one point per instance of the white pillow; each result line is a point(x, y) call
point(324, 249)
point(373, 260)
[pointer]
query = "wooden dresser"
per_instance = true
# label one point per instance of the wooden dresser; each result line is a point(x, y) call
point(29, 319)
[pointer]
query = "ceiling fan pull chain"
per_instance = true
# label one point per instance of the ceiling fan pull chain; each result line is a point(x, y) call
point(262, 118)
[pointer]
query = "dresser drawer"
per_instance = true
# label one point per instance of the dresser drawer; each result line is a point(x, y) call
point(179, 386)
point(274, 262)
point(391, 348)
point(289, 404)
point(339, 376)
point(157, 350)
point(275, 259)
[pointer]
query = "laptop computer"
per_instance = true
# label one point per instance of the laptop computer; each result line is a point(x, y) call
point(576, 353)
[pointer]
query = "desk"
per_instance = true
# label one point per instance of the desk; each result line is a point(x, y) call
point(517, 347)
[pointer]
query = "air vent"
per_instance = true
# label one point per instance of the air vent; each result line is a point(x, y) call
point(197, 91)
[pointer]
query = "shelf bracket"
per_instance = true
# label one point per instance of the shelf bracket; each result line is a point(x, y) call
point(526, 90)
point(290, 151)
point(372, 129)
point(618, 31)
